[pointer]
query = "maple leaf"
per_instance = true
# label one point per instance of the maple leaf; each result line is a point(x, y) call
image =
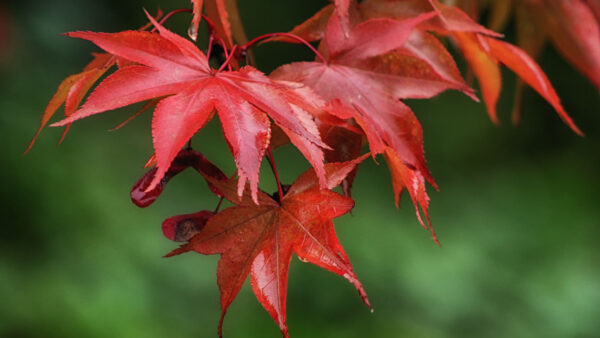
point(169, 65)
point(72, 90)
point(423, 56)
point(259, 239)
point(346, 144)
point(371, 98)
point(573, 27)
point(225, 18)
point(529, 71)
point(482, 51)
point(217, 11)
point(449, 17)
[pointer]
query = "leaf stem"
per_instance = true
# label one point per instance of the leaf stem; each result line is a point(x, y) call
point(228, 60)
point(211, 40)
point(289, 35)
point(170, 14)
point(274, 168)
point(219, 205)
point(209, 23)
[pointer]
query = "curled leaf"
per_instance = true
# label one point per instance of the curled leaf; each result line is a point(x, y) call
point(182, 228)
point(142, 197)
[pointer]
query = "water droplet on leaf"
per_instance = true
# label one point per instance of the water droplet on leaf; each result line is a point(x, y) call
point(193, 32)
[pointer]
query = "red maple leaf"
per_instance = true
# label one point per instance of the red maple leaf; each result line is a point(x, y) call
point(573, 27)
point(423, 56)
point(167, 64)
point(259, 239)
point(480, 47)
point(74, 88)
point(217, 11)
point(370, 97)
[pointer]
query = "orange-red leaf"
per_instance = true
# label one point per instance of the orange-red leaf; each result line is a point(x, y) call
point(575, 31)
point(259, 240)
point(73, 89)
point(527, 69)
point(405, 177)
point(216, 11)
point(531, 37)
point(456, 20)
point(486, 70)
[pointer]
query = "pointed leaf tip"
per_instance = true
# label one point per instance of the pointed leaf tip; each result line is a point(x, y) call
point(527, 69)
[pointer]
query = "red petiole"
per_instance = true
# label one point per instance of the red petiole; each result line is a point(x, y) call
point(219, 205)
point(170, 14)
point(289, 35)
point(227, 62)
point(274, 168)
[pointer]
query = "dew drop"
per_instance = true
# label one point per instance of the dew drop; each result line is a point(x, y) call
point(193, 32)
point(372, 310)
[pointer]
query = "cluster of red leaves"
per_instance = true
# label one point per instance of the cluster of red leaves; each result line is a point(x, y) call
point(573, 27)
point(480, 46)
point(371, 55)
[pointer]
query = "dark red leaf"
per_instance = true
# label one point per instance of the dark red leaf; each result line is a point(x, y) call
point(405, 177)
point(142, 197)
point(182, 228)
point(575, 30)
point(259, 240)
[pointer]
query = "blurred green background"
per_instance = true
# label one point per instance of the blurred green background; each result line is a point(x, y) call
point(518, 212)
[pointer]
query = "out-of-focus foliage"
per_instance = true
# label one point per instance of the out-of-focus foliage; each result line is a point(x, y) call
point(573, 28)
point(5, 35)
point(518, 217)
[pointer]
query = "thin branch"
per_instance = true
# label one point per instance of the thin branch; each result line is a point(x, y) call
point(274, 168)
point(289, 35)
point(170, 14)
point(219, 205)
